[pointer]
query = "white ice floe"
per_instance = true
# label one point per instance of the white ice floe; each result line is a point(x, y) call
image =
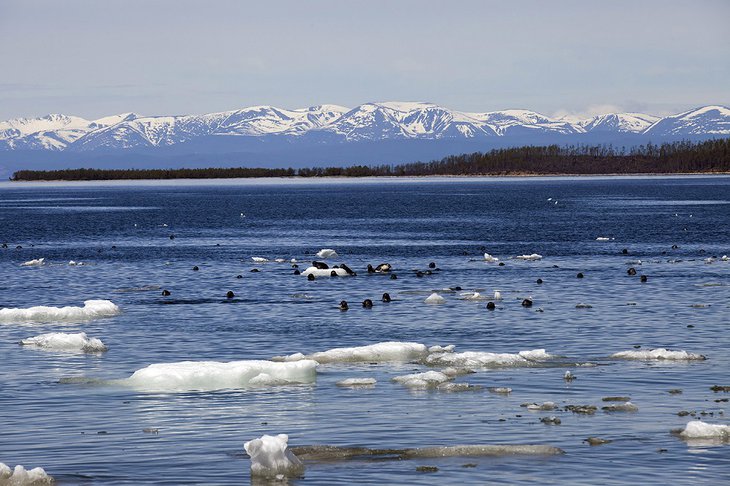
point(34, 263)
point(697, 429)
point(91, 309)
point(259, 259)
point(434, 298)
point(428, 379)
point(19, 476)
point(60, 341)
point(75, 264)
point(603, 238)
point(379, 352)
point(534, 256)
point(324, 272)
point(271, 457)
point(497, 295)
point(327, 253)
point(479, 359)
point(490, 259)
point(215, 375)
point(357, 382)
point(659, 354)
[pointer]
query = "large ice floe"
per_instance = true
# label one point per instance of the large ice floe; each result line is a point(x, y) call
point(19, 476)
point(697, 429)
point(215, 375)
point(379, 352)
point(324, 272)
point(658, 354)
point(34, 263)
point(326, 253)
point(91, 309)
point(271, 457)
point(60, 341)
point(480, 359)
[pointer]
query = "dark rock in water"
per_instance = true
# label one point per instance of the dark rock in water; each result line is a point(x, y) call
point(501, 264)
point(393, 276)
point(455, 289)
point(343, 305)
point(166, 293)
point(310, 277)
point(427, 469)
point(637, 346)
point(333, 273)
point(432, 265)
point(297, 272)
point(5, 245)
point(674, 247)
point(527, 303)
point(172, 237)
point(386, 297)
point(320, 265)
point(370, 269)
point(596, 441)
point(631, 271)
point(583, 409)
point(625, 251)
point(470, 464)
point(552, 420)
point(195, 268)
point(114, 247)
point(490, 305)
point(643, 278)
point(254, 270)
point(719, 388)
point(675, 391)
point(294, 265)
point(428, 272)
point(419, 274)
point(580, 275)
point(347, 269)
point(616, 399)
point(230, 294)
point(239, 276)
point(683, 413)
point(20, 248)
point(539, 280)
point(367, 303)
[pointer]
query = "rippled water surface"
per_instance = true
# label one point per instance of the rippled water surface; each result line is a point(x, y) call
point(89, 430)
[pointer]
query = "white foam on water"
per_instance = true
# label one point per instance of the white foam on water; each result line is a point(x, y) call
point(327, 253)
point(324, 272)
point(379, 352)
point(697, 429)
point(434, 298)
point(34, 263)
point(19, 476)
point(357, 382)
point(91, 309)
point(479, 359)
point(259, 259)
point(534, 256)
point(215, 375)
point(428, 379)
point(490, 259)
point(60, 341)
point(658, 354)
point(271, 457)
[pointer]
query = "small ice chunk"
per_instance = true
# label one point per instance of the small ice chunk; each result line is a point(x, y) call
point(279, 260)
point(472, 296)
point(19, 476)
point(357, 382)
point(76, 264)
point(603, 238)
point(698, 429)
point(327, 253)
point(725, 258)
point(442, 349)
point(434, 298)
point(259, 259)
point(59, 341)
point(478, 359)
point(34, 263)
point(324, 272)
point(658, 354)
point(379, 352)
point(534, 256)
point(428, 379)
point(490, 259)
point(497, 295)
point(271, 457)
point(90, 310)
point(621, 407)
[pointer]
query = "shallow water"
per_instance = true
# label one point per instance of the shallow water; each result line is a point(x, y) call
point(59, 411)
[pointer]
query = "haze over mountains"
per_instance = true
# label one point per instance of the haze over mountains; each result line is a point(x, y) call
point(266, 136)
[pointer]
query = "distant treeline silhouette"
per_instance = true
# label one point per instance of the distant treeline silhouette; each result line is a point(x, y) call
point(677, 157)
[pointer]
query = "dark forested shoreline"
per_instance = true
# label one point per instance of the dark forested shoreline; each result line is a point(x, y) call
point(669, 158)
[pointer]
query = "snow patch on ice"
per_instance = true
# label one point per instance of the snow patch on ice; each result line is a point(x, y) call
point(271, 457)
point(658, 354)
point(91, 309)
point(19, 476)
point(379, 352)
point(59, 341)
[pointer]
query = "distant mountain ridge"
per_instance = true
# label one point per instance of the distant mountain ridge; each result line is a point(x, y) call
point(388, 132)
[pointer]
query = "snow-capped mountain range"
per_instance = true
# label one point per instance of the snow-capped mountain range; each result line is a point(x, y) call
point(368, 122)
point(266, 136)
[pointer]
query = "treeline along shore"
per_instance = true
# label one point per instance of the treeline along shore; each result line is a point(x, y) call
point(712, 156)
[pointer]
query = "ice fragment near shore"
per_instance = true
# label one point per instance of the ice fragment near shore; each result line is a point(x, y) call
point(271, 457)
point(90, 310)
point(59, 341)
point(658, 354)
point(215, 375)
point(379, 352)
point(19, 476)
point(698, 429)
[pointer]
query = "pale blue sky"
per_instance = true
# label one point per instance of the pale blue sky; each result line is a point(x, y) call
point(98, 57)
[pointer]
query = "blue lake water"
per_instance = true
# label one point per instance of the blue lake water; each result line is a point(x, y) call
point(59, 410)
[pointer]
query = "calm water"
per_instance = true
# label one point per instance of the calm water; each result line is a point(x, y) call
point(122, 233)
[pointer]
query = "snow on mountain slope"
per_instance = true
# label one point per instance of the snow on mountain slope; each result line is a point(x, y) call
point(619, 122)
point(708, 120)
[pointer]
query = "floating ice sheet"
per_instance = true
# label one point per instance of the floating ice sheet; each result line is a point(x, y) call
point(698, 429)
point(480, 359)
point(327, 253)
point(60, 341)
point(379, 352)
point(271, 457)
point(658, 354)
point(215, 375)
point(534, 256)
point(19, 476)
point(91, 309)
point(324, 272)
point(34, 263)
